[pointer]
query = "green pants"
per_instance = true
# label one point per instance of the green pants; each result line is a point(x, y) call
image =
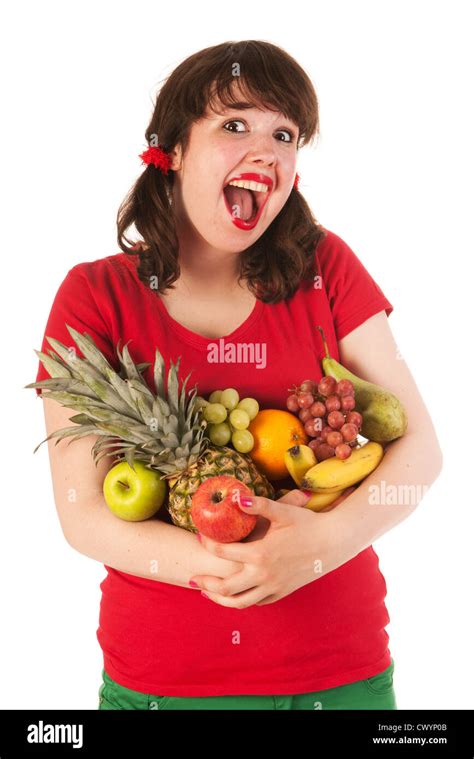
point(373, 693)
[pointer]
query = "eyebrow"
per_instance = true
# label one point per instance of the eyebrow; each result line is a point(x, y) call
point(237, 107)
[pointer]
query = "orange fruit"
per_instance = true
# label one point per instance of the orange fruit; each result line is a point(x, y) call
point(275, 431)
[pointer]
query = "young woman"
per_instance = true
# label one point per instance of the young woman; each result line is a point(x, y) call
point(209, 267)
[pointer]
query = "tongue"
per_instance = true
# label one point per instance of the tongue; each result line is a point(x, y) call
point(240, 201)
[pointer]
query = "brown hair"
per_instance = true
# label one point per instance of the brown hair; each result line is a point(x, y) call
point(275, 264)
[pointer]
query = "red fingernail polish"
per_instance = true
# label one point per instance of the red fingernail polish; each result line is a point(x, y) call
point(307, 493)
point(204, 594)
point(246, 501)
point(199, 537)
point(193, 584)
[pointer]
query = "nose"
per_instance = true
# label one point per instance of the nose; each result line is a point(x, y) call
point(263, 152)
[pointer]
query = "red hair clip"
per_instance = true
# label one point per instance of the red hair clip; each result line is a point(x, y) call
point(158, 157)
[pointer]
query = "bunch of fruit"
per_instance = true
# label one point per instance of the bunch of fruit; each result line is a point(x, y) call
point(169, 444)
point(229, 418)
point(327, 412)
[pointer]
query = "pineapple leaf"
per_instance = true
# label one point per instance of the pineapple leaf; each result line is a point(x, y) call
point(130, 368)
point(141, 367)
point(126, 433)
point(158, 373)
point(66, 432)
point(141, 387)
point(170, 440)
point(54, 367)
point(172, 388)
point(75, 401)
point(77, 365)
point(80, 419)
point(91, 352)
point(64, 384)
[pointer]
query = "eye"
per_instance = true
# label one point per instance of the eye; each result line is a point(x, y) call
point(291, 136)
point(234, 121)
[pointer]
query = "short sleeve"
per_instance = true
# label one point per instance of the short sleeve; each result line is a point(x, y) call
point(74, 304)
point(353, 294)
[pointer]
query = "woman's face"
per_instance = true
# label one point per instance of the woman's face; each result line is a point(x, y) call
point(223, 146)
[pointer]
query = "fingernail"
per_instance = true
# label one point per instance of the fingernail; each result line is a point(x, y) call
point(246, 500)
point(307, 493)
point(204, 594)
point(193, 584)
point(199, 537)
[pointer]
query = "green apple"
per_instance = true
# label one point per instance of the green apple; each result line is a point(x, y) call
point(134, 495)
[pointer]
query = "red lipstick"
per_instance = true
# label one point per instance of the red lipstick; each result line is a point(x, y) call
point(251, 176)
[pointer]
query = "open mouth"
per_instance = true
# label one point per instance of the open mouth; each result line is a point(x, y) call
point(245, 199)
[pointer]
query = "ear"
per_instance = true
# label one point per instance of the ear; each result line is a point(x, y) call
point(176, 157)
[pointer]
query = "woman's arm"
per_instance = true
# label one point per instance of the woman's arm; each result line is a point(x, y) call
point(410, 464)
point(152, 549)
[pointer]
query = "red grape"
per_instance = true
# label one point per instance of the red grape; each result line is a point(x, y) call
point(334, 438)
point(314, 443)
point(305, 400)
point(324, 451)
point(308, 386)
point(333, 403)
point(349, 432)
point(327, 386)
point(343, 451)
point(305, 414)
point(318, 409)
point(347, 402)
point(325, 432)
point(292, 402)
point(336, 420)
point(345, 387)
point(353, 417)
point(309, 428)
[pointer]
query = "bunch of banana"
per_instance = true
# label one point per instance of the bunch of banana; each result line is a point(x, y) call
point(329, 478)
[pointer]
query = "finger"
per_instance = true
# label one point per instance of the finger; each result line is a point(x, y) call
point(296, 497)
point(239, 582)
point(274, 511)
point(240, 601)
point(238, 551)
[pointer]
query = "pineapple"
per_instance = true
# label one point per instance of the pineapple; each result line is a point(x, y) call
point(166, 430)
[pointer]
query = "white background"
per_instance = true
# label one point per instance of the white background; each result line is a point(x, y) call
point(391, 174)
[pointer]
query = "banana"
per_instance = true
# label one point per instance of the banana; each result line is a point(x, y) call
point(319, 500)
point(332, 475)
point(298, 460)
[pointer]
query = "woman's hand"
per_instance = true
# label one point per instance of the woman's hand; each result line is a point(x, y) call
point(289, 547)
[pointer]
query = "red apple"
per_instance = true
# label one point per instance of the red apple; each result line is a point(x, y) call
point(215, 510)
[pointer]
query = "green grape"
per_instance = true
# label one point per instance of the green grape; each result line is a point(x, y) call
point(220, 434)
point(243, 441)
point(239, 419)
point(215, 413)
point(229, 398)
point(250, 405)
point(215, 396)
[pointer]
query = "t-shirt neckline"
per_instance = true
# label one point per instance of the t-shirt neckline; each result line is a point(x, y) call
point(190, 337)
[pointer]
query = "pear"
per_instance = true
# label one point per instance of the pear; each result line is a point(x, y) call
point(384, 417)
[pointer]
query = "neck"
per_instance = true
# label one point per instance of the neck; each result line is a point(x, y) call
point(206, 270)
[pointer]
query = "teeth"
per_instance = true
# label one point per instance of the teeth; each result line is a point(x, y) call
point(250, 185)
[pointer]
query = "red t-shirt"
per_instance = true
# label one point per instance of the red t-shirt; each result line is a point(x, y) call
point(164, 639)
